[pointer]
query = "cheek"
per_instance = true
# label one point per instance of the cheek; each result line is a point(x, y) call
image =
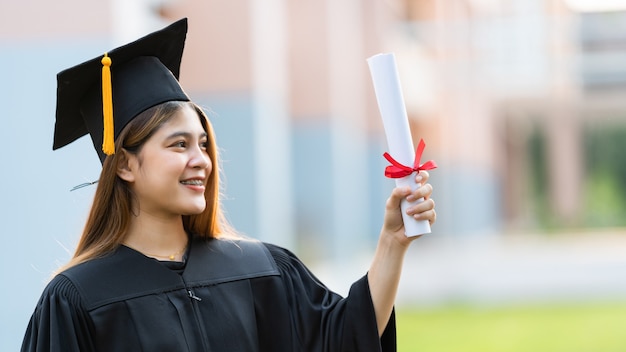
point(158, 167)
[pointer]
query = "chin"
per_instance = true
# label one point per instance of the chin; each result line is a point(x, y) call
point(194, 210)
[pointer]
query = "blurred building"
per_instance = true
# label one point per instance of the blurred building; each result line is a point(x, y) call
point(503, 92)
point(528, 97)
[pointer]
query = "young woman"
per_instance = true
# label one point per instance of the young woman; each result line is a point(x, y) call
point(157, 267)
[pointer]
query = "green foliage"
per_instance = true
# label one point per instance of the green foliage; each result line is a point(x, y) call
point(605, 203)
point(538, 170)
point(605, 147)
point(604, 185)
point(597, 327)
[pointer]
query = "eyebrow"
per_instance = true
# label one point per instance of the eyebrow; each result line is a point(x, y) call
point(185, 135)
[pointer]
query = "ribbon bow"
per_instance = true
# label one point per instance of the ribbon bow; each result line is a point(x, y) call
point(397, 170)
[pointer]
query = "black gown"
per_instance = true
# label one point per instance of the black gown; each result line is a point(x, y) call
point(228, 296)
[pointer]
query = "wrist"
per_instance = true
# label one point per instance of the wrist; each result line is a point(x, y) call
point(395, 240)
point(393, 244)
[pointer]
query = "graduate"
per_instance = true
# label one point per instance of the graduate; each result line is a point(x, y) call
point(157, 267)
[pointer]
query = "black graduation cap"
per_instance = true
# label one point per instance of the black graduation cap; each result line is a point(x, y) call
point(142, 74)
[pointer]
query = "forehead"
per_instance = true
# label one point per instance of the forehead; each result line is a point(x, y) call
point(185, 119)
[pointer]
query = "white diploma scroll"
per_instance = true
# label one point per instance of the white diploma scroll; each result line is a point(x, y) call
point(395, 121)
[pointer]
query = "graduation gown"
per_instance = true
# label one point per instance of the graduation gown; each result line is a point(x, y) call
point(230, 295)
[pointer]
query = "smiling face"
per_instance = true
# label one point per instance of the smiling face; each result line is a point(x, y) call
point(169, 174)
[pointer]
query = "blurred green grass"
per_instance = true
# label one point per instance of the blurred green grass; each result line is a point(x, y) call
point(589, 327)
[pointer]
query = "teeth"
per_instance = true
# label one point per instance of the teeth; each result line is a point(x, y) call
point(192, 182)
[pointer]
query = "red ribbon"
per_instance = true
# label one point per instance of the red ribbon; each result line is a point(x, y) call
point(397, 170)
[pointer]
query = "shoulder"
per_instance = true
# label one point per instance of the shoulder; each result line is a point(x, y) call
point(280, 255)
point(213, 261)
point(60, 292)
point(60, 287)
point(283, 256)
point(231, 259)
point(291, 267)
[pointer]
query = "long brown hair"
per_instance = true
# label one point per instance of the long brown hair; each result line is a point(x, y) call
point(111, 211)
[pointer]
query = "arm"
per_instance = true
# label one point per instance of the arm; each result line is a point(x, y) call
point(59, 322)
point(320, 319)
point(386, 267)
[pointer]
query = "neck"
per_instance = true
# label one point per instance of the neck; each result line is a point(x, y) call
point(160, 238)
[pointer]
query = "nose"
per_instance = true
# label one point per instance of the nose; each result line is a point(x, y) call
point(199, 158)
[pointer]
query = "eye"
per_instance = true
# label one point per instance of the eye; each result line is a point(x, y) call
point(179, 144)
point(204, 145)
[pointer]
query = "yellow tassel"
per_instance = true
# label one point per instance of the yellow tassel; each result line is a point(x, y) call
point(108, 139)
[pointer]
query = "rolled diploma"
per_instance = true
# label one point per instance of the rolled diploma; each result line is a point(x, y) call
point(396, 123)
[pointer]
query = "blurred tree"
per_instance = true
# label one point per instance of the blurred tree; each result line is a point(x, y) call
point(605, 189)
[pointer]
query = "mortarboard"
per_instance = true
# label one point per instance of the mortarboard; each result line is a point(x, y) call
point(142, 74)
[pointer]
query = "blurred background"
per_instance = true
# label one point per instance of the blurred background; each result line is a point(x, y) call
point(521, 104)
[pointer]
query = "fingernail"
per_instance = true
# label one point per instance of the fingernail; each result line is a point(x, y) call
point(418, 178)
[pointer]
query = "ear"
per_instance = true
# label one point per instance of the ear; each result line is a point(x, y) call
point(126, 165)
